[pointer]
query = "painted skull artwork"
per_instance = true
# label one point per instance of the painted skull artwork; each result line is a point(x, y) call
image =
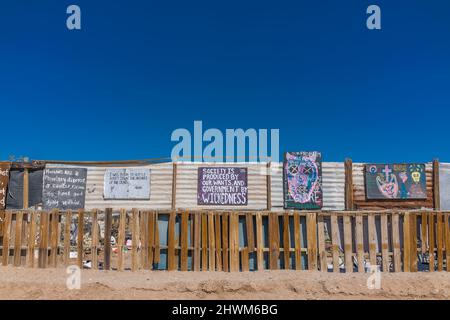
point(302, 180)
point(395, 181)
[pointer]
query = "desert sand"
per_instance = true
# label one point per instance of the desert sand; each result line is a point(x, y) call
point(25, 283)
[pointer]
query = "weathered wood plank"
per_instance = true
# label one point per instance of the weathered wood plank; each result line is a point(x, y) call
point(385, 242)
point(172, 265)
point(31, 239)
point(151, 238)
point(197, 241)
point(212, 242)
point(204, 242)
point(143, 232)
point(431, 240)
point(447, 241)
point(440, 242)
point(335, 241)
point(54, 238)
point(95, 235)
point(234, 242)
point(157, 254)
point(250, 233)
point(406, 243)
point(43, 243)
point(311, 230)
point(297, 242)
point(67, 227)
point(184, 241)
point(18, 239)
point(413, 254)
point(321, 239)
point(359, 242)
point(121, 239)
point(286, 242)
point(80, 235)
point(225, 242)
point(274, 241)
point(107, 247)
point(218, 241)
point(396, 242)
point(135, 239)
point(259, 242)
point(348, 248)
point(424, 231)
point(372, 239)
point(244, 259)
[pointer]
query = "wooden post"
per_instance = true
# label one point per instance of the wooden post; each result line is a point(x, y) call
point(80, 234)
point(211, 242)
point(385, 242)
point(135, 239)
point(121, 239)
point(348, 248)
point(31, 239)
point(286, 241)
point(43, 243)
point(54, 238)
point(108, 225)
point(349, 202)
point(67, 225)
point(311, 229)
point(174, 186)
point(335, 241)
point(406, 243)
point(321, 239)
point(218, 241)
point(372, 239)
point(197, 241)
point(359, 242)
point(259, 242)
point(297, 242)
point(436, 191)
point(25, 187)
point(94, 245)
point(18, 239)
point(269, 186)
point(151, 238)
point(274, 240)
point(396, 242)
point(440, 242)
point(184, 241)
point(225, 242)
point(6, 235)
point(171, 263)
point(204, 241)
point(431, 242)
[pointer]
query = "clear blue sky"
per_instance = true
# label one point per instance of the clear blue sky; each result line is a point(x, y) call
point(140, 69)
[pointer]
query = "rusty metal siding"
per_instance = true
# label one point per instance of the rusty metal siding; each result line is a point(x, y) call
point(186, 185)
point(444, 185)
point(160, 187)
point(359, 193)
point(333, 186)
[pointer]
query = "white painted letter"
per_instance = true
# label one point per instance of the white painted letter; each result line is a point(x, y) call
point(74, 20)
point(374, 20)
point(216, 145)
point(183, 148)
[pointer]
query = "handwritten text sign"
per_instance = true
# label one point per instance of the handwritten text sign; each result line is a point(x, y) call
point(222, 186)
point(64, 188)
point(131, 183)
point(4, 178)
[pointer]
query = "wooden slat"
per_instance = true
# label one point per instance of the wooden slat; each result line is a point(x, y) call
point(197, 241)
point(250, 233)
point(225, 242)
point(413, 253)
point(171, 263)
point(311, 229)
point(436, 186)
point(143, 232)
point(157, 254)
point(274, 241)
point(18, 239)
point(211, 242)
point(31, 239)
point(204, 242)
point(80, 235)
point(359, 242)
point(107, 247)
point(286, 242)
point(218, 241)
point(94, 245)
point(372, 239)
point(67, 226)
point(26, 187)
point(396, 242)
point(244, 259)
point(348, 248)
point(43, 243)
point(259, 242)
point(184, 241)
point(54, 238)
point(447, 241)
point(234, 242)
point(121, 239)
point(335, 241)
point(297, 242)
point(349, 199)
point(135, 238)
point(424, 231)
point(385, 242)
point(440, 242)
point(321, 239)
point(406, 243)
point(431, 242)
point(151, 238)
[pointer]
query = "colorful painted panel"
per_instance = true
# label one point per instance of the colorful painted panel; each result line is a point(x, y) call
point(302, 177)
point(222, 186)
point(395, 181)
point(4, 178)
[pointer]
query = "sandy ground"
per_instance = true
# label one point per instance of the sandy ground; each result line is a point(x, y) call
point(22, 283)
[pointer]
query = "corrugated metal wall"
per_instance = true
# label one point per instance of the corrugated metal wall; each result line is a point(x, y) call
point(160, 188)
point(333, 186)
point(444, 185)
point(359, 193)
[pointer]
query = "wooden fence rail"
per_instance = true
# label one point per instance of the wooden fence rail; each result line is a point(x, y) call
point(349, 241)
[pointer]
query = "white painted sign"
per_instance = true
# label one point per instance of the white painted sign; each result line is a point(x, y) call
point(127, 184)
